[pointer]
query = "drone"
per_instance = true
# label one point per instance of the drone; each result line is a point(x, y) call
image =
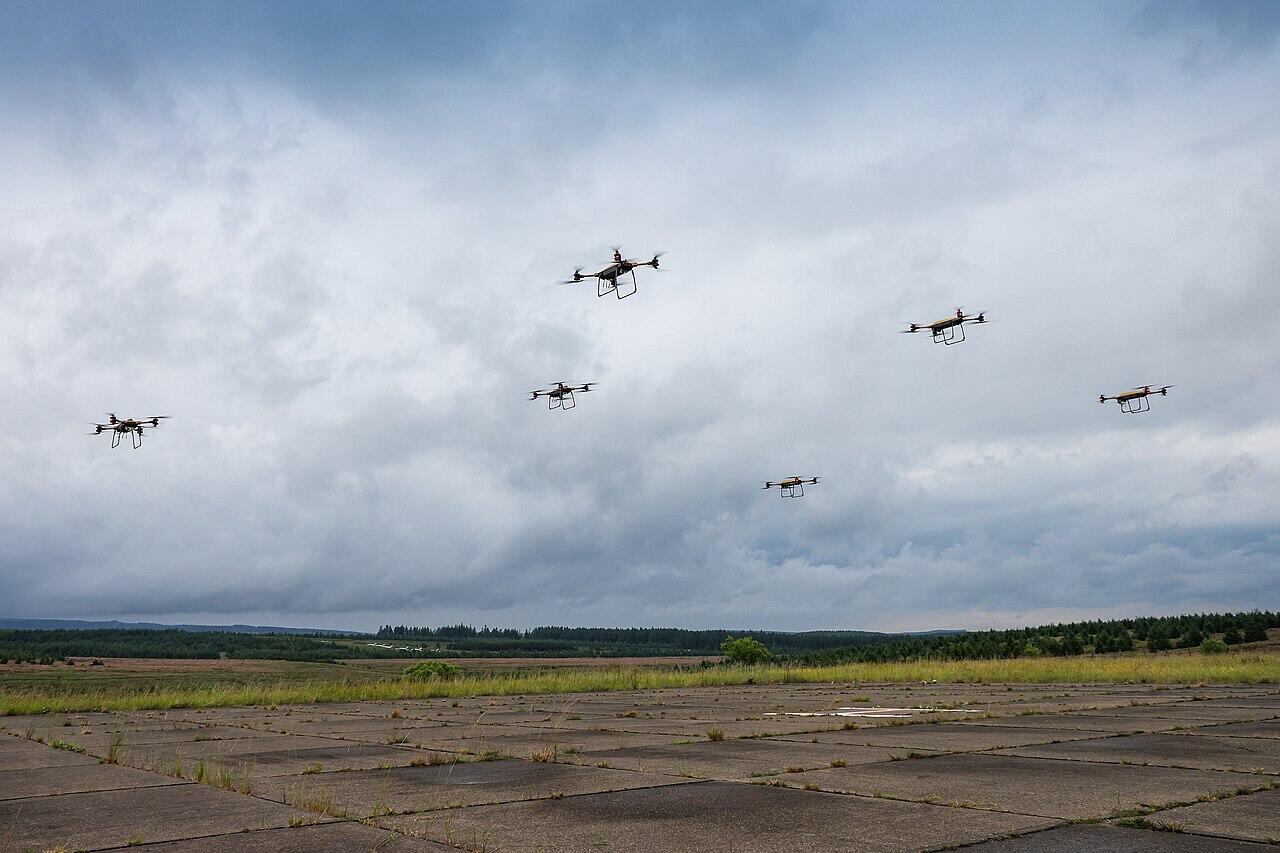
point(607, 279)
point(1138, 400)
point(791, 487)
point(119, 427)
point(948, 330)
point(560, 396)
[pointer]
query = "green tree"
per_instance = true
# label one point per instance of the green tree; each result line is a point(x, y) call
point(1191, 639)
point(1256, 632)
point(745, 650)
point(1232, 637)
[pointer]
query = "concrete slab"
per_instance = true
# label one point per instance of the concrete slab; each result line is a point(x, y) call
point(712, 816)
point(24, 754)
point(1195, 712)
point(332, 725)
point(1254, 817)
point(735, 759)
point(93, 821)
point(1249, 755)
point(1032, 786)
point(1268, 729)
point(948, 737)
point(1114, 723)
point(160, 754)
point(527, 742)
point(1109, 839)
point(45, 781)
point(101, 736)
point(318, 838)
point(410, 789)
point(335, 758)
point(699, 728)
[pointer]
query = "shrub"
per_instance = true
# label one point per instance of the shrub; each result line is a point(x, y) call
point(1256, 632)
point(1232, 637)
point(1031, 650)
point(745, 650)
point(1210, 646)
point(429, 670)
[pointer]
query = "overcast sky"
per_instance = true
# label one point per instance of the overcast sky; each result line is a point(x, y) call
point(324, 237)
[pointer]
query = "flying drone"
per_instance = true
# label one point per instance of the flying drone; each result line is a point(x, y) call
point(791, 487)
point(948, 330)
point(560, 396)
point(1136, 401)
point(120, 427)
point(607, 279)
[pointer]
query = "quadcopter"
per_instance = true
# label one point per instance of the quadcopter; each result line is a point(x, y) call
point(948, 330)
point(119, 427)
point(607, 279)
point(560, 396)
point(1136, 401)
point(791, 487)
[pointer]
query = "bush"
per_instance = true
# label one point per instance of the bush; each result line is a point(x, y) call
point(1031, 650)
point(745, 650)
point(1232, 637)
point(1256, 632)
point(429, 670)
point(1210, 646)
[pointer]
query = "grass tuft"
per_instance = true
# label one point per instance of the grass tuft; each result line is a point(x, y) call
point(67, 745)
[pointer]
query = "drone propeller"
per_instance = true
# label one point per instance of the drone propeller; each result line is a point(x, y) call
point(654, 263)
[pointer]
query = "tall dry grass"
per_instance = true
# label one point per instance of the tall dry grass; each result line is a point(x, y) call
point(1236, 668)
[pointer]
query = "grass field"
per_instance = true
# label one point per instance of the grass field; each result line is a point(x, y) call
point(86, 690)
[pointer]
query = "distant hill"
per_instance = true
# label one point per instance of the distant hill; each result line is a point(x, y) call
point(113, 624)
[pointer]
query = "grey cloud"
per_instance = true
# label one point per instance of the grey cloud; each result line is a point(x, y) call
point(345, 312)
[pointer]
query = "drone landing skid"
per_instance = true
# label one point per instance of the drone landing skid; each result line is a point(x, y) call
point(607, 286)
point(1136, 406)
point(949, 336)
point(115, 438)
point(565, 402)
point(792, 491)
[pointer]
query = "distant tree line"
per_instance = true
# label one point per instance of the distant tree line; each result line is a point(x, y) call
point(46, 646)
point(626, 642)
point(1098, 636)
point(1159, 633)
